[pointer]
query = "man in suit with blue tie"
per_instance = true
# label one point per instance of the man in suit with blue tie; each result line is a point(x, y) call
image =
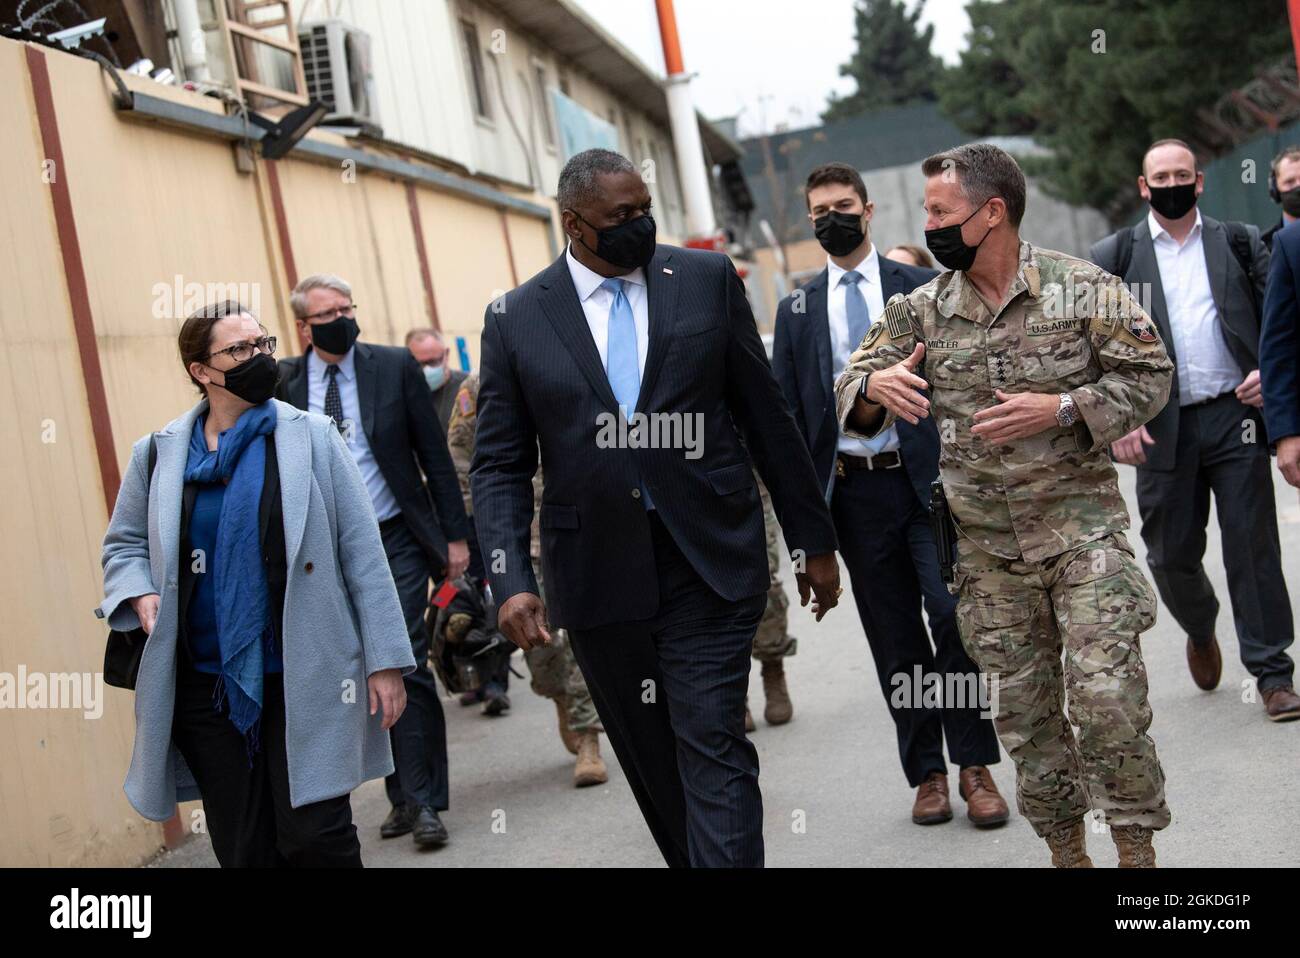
point(635, 369)
point(879, 492)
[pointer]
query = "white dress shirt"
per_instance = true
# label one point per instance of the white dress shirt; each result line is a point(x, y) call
point(353, 434)
point(841, 347)
point(1205, 365)
point(596, 303)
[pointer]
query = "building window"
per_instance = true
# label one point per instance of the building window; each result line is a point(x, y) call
point(474, 63)
point(544, 105)
point(662, 177)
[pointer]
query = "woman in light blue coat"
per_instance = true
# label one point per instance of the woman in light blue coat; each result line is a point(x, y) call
point(276, 642)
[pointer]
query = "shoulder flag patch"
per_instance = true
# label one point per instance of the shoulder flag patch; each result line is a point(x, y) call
point(897, 319)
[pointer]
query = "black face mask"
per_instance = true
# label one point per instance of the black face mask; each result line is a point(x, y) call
point(628, 245)
point(950, 249)
point(336, 336)
point(1291, 202)
point(1173, 202)
point(839, 233)
point(253, 380)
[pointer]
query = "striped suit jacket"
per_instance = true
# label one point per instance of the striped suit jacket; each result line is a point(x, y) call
point(543, 388)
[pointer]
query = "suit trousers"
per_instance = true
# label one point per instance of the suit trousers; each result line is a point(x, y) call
point(1218, 453)
point(246, 805)
point(420, 775)
point(893, 562)
point(670, 692)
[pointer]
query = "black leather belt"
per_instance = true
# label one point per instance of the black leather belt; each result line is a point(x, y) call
point(881, 460)
point(1206, 402)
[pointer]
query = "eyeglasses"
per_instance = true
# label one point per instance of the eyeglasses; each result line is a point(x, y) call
point(243, 352)
point(329, 315)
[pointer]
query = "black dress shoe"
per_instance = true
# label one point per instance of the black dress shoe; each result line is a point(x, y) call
point(498, 703)
point(427, 828)
point(397, 823)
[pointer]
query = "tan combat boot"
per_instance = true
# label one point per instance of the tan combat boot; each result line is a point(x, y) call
point(749, 718)
point(568, 736)
point(1133, 842)
point(779, 709)
point(1068, 845)
point(590, 767)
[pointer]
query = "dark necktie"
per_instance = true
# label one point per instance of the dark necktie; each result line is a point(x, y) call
point(333, 401)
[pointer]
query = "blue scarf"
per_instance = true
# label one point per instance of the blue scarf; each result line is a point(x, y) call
point(244, 624)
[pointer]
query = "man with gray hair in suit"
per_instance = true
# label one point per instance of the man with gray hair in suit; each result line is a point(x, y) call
point(380, 404)
point(1206, 282)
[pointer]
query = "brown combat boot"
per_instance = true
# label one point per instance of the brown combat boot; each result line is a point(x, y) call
point(1205, 663)
point(590, 767)
point(931, 806)
point(778, 708)
point(984, 805)
point(749, 718)
point(1068, 845)
point(568, 736)
point(1133, 842)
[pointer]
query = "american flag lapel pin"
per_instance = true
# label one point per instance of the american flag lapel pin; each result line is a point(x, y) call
point(668, 271)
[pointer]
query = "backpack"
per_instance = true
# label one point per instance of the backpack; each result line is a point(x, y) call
point(1238, 242)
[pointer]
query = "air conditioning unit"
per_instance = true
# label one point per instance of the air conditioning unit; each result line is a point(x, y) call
point(337, 66)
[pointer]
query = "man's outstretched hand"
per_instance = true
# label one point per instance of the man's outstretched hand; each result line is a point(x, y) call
point(821, 580)
point(523, 620)
point(899, 389)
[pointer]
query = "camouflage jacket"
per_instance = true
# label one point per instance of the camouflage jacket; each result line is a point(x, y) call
point(1066, 327)
point(460, 441)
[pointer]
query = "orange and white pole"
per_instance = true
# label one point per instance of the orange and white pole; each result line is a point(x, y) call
point(686, 130)
point(1293, 8)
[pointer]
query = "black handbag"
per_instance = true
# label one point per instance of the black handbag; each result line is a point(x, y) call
point(124, 650)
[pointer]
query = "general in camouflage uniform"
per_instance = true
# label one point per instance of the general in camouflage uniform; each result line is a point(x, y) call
point(554, 671)
point(1043, 565)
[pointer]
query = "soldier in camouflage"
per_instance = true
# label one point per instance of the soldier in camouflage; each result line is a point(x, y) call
point(1036, 361)
point(555, 673)
point(772, 641)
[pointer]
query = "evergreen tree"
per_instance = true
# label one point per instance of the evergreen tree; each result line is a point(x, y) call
point(892, 63)
point(1096, 81)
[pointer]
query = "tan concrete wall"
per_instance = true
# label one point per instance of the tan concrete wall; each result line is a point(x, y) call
point(151, 204)
point(60, 789)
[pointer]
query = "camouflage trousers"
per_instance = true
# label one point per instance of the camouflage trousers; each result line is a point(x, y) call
point(555, 674)
point(1088, 605)
point(772, 639)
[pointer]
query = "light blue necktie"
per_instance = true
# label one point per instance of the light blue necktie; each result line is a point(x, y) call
point(621, 362)
point(859, 317)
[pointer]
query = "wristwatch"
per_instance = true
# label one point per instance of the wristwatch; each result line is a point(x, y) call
point(1067, 414)
point(862, 390)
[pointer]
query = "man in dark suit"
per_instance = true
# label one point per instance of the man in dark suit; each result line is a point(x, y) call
point(879, 492)
point(381, 404)
point(430, 350)
point(636, 368)
point(1284, 190)
point(1279, 369)
point(1279, 353)
point(1210, 436)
